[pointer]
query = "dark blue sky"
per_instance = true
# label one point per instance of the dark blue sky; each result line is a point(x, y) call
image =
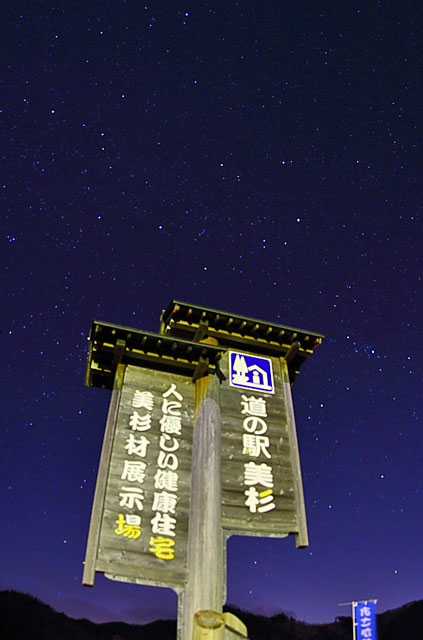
point(263, 158)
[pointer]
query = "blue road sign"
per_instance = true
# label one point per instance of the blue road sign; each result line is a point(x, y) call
point(365, 620)
point(251, 372)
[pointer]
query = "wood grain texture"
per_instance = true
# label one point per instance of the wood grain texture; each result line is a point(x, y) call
point(101, 484)
point(302, 536)
point(283, 519)
point(206, 562)
point(122, 556)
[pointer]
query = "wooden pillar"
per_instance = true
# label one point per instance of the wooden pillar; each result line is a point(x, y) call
point(204, 589)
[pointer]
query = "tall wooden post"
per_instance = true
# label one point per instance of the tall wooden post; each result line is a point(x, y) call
point(204, 589)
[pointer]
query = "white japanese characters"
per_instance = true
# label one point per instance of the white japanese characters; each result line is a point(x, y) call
point(258, 475)
point(365, 625)
point(131, 498)
point(162, 491)
point(165, 496)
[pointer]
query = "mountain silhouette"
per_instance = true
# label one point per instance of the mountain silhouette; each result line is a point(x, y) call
point(24, 617)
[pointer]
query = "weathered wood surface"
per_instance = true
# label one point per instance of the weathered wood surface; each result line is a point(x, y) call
point(208, 625)
point(101, 484)
point(234, 627)
point(288, 516)
point(302, 536)
point(206, 575)
point(131, 559)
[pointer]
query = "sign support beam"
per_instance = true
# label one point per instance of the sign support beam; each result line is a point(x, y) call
point(204, 588)
point(100, 491)
point(302, 535)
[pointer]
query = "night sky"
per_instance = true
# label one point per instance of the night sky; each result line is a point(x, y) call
point(260, 157)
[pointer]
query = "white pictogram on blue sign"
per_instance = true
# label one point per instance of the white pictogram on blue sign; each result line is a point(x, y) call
point(250, 372)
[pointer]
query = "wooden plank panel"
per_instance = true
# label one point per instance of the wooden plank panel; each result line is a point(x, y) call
point(100, 490)
point(284, 526)
point(144, 524)
point(284, 488)
point(122, 566)
point(302, 537)
point(259, 492)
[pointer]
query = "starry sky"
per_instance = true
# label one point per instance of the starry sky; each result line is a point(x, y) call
point(260, 157)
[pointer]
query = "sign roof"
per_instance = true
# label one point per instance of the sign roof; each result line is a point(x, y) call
point(111, 344)
point(183, 320)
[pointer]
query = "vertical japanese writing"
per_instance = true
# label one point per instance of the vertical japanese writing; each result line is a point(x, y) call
point(165, 498)
point(258, 476)
point(149, 480)
point(147, 474)
point(131, 493)
point(365, 620)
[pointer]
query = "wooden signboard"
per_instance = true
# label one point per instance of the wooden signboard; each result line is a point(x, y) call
point(261, 479)
point(139, 525)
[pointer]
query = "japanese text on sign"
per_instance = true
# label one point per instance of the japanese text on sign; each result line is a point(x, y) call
point(365, 619)
point(164, 499)
point(258, 474)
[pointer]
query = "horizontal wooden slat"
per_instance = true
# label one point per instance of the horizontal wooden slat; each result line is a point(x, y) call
point(153, 575)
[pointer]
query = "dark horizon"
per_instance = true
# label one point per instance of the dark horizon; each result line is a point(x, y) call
point(227, 607)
